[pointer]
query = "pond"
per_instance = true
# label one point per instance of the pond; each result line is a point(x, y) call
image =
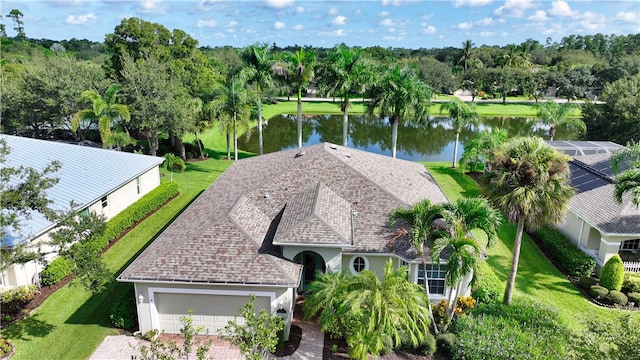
point(429, 142)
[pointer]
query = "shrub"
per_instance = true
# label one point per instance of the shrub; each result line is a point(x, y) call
point(14, 300)
point(617, 297)
point(446, 343)
point(612, 273)
point(523, 330)
point(488, 287)
point(598, 292)
point(57, 270)
point(429, 347)
point(634, 298)
point(558, 247)
point(123, 311)
point(631, 282)
point(587, 281)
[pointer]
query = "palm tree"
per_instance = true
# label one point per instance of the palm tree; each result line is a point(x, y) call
point(391, 311)
point(105, 112)
point(400, 95)
point(529, 181)
point(324, 297)
point(467, 47)
point(463, 115)
point(629, 180)
point(171, 162)
point(479, 149)
point(463, 250)
point(420, 218)
point(343, 73)
point(231, 104)
point(555, 116)
point(261, 67)
point(301, 73)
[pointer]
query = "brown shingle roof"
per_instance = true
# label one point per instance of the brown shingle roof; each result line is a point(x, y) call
point(224, 235)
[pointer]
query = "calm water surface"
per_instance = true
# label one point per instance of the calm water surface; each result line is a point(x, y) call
point(430, 142)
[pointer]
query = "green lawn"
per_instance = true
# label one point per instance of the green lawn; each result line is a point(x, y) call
point(73, 322)
point(537, 276)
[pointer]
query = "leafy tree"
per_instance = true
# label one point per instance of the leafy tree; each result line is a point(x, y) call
point(478, 151)
point(232, 106)
point(437, 75)
point(158, 349)
point(571, 83)
point(343, 73)
point(17, 15)
point(629, 180)
point(467, 48)
point(556, 115)
point(258, 335)
point(172, 162)
point(463, 116)
point(300, 72)
point(420, 218)
point(530, 182)
point(400, 95)
point(104, 112)
point(260, 71)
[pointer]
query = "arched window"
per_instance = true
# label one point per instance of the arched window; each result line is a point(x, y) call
point(359, 263)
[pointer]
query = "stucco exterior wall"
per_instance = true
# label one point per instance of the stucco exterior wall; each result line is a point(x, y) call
point(332, 256)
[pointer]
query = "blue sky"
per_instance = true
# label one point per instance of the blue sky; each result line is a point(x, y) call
point(386, 23)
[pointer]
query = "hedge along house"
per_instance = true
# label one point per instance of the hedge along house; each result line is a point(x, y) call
point(97, 180)
point(269, 224)
point(596, 222)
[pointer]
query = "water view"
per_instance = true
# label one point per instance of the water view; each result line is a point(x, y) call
point(429, 142)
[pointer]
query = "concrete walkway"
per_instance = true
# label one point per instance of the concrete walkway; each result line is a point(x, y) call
point(123, 347)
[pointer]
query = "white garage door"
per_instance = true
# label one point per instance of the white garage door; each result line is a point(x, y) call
point(210, 311)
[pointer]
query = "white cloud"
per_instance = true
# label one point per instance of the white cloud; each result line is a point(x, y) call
point(487, 33)
point(358, 12)
point(471, 3)
point(299, 10)
point(152, 7)
point(220, 35)
point(514, 8)
point(385, 14)
point(464, 26)
point(429, 30)
point(298, 27)
point(387, 23)
point(338, 33)
point(592, 21)
point(561, 8)
point(85, 19)
point(232, 23)
point(279, 25)
point(540, 15)
point(488, 21)
point(339, 20)
point(333, 11)
point(632, 17)
point(207, 23)
point(279, 4)
point(206, 5)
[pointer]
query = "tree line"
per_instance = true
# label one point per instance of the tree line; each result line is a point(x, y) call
point(169, 86)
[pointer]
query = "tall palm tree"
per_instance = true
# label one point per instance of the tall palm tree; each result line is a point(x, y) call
point(300, 73)
point(231, 104)
point(400, 95)
point(555, 115)
point(463, 116)
point(467, 47)
point(260, 71)
point(463, 249)
point(104, 112)
point(530, 182)
point(343, 73)
point(629, 180)
point(420, 218)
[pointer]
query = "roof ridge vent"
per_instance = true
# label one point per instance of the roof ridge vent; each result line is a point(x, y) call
point(333, 146)
point(300, 153)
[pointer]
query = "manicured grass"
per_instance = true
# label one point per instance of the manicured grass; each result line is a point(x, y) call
point(311, 107)
point(72, 322)
point(537, 276)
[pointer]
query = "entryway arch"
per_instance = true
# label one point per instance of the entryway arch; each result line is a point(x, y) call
point(311, 262)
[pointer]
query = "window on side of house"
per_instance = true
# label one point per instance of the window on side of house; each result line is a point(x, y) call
point(104, 201)
point(84, 212)
point(630, 244)
point(359, 263)
point(435, 276)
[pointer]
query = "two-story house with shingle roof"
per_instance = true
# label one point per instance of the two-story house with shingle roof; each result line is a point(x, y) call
point(268, 224)
point(96, 180)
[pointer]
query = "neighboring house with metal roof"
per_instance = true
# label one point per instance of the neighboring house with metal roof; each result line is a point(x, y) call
point(269, 223)
point(596, 222)
point(97, 180)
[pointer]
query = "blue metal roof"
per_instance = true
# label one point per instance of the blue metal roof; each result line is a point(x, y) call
point(86, 175)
